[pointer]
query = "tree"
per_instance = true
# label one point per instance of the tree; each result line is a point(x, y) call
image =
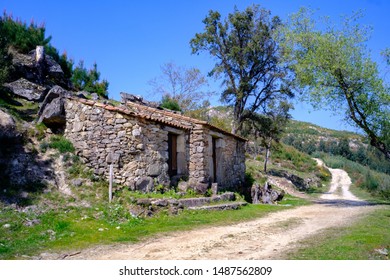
point(336, 71)
point(88, 80)
point(169, 103)
point(182, 85)
point(247, 57)
point(268, 127)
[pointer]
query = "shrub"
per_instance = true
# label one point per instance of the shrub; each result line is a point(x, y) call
point(169, 103)
point(62, 144)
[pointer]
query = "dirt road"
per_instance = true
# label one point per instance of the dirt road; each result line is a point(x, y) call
point(266, 238)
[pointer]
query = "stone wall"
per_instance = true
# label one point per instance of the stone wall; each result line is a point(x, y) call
point(136, 143)
point(137, 148)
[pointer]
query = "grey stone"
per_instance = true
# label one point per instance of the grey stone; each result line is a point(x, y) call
point(112, 158)
point(33, 222)
point(182, 186)
point(144, 202)
point(27, 90)
point(94, 96)
point(7, 126)
point(160, 203)
point(201, 188)
point(145, 184)
point(53, 115)
point(136, 132)
point(214, 188)
point(77, 182)
point(154, 169)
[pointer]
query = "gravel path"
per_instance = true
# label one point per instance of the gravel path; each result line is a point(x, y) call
point(265, 238)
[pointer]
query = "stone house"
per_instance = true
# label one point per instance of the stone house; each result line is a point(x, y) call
point(149, 146)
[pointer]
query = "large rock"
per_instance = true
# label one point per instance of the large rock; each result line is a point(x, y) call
point(265, 194)
point(52, 111)
point(7, 126)
point(39, 68)
point(26, 89)
point(53, 115)
point(145, 184)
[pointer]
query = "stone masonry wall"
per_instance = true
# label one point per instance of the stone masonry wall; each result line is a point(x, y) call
point(137, 148)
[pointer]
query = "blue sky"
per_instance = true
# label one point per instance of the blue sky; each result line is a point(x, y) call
point(130, 40)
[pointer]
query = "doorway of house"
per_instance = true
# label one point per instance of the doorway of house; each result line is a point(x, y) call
point(214, 157)
point(172, 154)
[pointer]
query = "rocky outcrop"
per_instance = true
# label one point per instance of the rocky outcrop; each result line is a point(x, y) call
point(52, 110)
point(300, 183)
point(7, 126)
point(39, 68)
point(26, 89)
point(265, 194)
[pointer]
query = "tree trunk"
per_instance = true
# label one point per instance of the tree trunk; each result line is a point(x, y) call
point(267, 154)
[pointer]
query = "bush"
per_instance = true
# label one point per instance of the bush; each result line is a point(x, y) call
point(169, 103)
point(62, 144)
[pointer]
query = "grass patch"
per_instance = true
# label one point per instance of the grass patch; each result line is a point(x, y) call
point(64, 227)
point(59, 143)
point(356, 242)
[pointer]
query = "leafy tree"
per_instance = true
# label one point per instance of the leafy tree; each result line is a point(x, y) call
point(247, 57)
point(88, 80)
point(335, 68)
point(268, 127)
point(183, 85)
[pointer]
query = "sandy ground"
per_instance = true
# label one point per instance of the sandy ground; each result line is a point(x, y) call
point(265, 238)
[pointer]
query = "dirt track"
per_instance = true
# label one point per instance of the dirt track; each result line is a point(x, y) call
point(265, 238)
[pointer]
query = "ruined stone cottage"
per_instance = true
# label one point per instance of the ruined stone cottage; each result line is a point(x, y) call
point(148, 146)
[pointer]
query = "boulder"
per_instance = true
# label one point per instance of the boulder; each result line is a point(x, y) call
point(52, 110)
point(7, 126)
point(53, 115)
point(38, 67)
point(201, 188)
point(26, 89)
point(182, 186)
point(265, 194)
point(145, 184)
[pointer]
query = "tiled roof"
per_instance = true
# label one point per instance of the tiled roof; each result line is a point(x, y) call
point(155, 114)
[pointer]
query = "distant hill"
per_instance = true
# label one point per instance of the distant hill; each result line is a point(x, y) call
point(311, 139)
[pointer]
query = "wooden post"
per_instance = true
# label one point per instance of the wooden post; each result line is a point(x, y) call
point(110, 185)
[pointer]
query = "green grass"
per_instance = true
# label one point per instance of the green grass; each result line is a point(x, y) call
point(62, 144)
point(70, 228)
point(355, 242)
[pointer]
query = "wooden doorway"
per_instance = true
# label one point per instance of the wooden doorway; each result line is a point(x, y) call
point(214, 156)
point(172, 154)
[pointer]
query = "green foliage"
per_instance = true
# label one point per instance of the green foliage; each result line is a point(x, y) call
point(169, 103)
point(22, 36)
point(247, 57)
point(62, 144)
point(88, 80)
point(288, 156)
point(312, 139)
point(334, 67)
